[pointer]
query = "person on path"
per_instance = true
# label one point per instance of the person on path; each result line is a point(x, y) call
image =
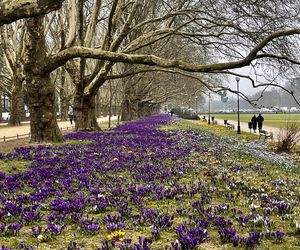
point(260, 121)
point(172, 112)
point(254, 123)
point(70, 116)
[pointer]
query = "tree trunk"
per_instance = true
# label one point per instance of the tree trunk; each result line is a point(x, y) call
point(1, 108)
point(129, 106)
point(129, 110)
point(105, 110)
point(64, 106)
point(41, 91)
point(17, 101)
point(115, 108)
point(146, 108)
point(143, 109)
point(84, 111)
point(125, 111)
point(98, 105)
point(43, 123)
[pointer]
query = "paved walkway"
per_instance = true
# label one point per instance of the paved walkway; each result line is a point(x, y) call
point(244, 127)
point(24, 129)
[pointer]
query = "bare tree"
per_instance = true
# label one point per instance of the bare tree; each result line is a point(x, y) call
point(5, 80)
point(12, 37)
point(65, 90)
point(225, 36)
point(41, 90)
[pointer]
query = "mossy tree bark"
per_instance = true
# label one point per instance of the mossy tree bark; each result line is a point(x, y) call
point(129, 110)
point(1, 108)
point(64, 101)
point(41, 91)
point(12, 10)
point(17, 98)
point(43, 124)
point(84, 111)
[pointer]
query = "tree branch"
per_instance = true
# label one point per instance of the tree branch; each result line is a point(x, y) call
point(254, 85)
point(279, 57)
point(63, 56)
point(12, 10)
point(72, 18)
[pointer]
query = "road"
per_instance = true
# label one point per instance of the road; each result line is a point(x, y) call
point(24, 129)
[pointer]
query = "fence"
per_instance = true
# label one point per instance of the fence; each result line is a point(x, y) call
point(27, 135)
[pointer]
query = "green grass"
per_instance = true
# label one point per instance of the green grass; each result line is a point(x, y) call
point(104, 125)
point(273, 120)
point(12, 167)
point(218, 130)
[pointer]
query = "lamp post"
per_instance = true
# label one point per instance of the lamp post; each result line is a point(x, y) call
point(196, 107)
point(208, 107)
point(238, 105)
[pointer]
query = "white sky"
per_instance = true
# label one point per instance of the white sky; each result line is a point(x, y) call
point(245, 85)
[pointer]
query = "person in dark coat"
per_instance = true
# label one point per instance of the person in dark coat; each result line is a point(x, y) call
point(254, 123)
point(260, 121)
point(71, 117)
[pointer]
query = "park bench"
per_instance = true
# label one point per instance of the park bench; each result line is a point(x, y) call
point(265, 134)
point(230, 126)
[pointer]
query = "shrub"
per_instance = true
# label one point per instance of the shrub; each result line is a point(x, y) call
point(190, 116)
point(288, 136)
point(185, 114)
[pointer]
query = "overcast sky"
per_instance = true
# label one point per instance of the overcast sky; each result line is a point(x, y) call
point(245, 85)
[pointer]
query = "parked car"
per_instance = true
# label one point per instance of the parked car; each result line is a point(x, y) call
point(276, 109)
point(294, 110)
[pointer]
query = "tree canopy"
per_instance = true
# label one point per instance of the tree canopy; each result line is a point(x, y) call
point(88, 43)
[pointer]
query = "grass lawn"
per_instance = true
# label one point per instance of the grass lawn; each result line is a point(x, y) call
point(273, 120)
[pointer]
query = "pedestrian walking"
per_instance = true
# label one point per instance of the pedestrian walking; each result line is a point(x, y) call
point(70, 114)
point(254, 123)
point(260, 121)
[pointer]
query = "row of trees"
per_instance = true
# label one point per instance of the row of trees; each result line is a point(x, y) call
point(273, 97)
point(141, 52)
point(269, 98)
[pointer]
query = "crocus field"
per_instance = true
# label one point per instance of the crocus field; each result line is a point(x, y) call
point(157, 183)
